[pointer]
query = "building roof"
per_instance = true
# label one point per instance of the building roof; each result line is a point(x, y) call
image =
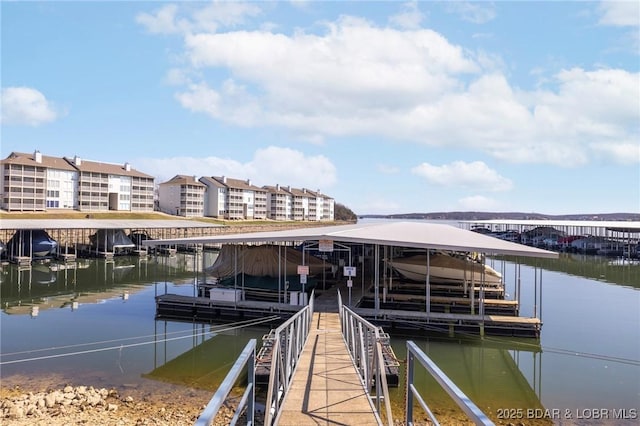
point(235, 183)
point(317, 193)
point(399, 234)
point(183, 180)
point(106, 168)
point(25, 159)
point(277, 189)
point(299, 192)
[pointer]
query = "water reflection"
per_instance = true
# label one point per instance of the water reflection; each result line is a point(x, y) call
point(488, 371)
point(60, 285)
point(204, 362)
point(621, 271)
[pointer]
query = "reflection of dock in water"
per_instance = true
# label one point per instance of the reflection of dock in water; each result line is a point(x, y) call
point(204, 366)
point(616, 271)
point(54, 285)
point(492, 372)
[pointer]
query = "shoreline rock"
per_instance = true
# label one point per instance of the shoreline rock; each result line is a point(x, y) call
point(75, 405)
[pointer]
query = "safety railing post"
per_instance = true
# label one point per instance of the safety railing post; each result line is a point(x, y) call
point(415, 354)
point(246, 358)
point(289, 340)
point(364, 343)
point(409, 390)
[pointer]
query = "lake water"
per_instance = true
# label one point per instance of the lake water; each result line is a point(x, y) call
point(96, 323)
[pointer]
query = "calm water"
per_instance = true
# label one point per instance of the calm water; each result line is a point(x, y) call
point(96, 322)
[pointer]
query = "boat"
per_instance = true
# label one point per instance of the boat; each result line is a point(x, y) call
point(445, 268)
point(264, 261)
point(35, 243)
point(111, 240)
point(266, 267)
point(138, 236)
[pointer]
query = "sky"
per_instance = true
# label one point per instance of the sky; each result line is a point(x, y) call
point(386, 106)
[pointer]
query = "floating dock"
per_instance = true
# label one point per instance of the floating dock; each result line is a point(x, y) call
point(173, 306)
point(409, 322)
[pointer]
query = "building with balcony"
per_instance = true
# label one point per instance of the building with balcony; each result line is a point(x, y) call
point(279, 203)
point(228, 198)
point(182, 196)
point(321, 207)
point(36, 182)
point(108, 187)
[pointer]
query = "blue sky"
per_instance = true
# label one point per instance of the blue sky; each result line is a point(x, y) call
point(389, 107)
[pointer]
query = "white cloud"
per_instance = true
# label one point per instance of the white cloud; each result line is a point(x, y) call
point(410, 18)
point(215, 15)
point(475, 12)
point(620, 13)
point(475, 175)
point(269, 166)
point(163, 21)
point(623, 153)
point(26, 106)
point(478, 203)
point(356, 78)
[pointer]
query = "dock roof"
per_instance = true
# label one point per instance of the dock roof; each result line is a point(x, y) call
point(400, 234)
point(613, 225)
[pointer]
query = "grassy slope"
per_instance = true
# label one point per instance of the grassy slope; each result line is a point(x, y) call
point(145, 216)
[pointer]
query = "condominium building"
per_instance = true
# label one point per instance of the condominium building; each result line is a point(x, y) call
point(233, 198)
point(107, 186)
point(299, 203)
point(36, 182)
point(182, 196)
point(279, 203)
point(324, 206)
point(310, 205)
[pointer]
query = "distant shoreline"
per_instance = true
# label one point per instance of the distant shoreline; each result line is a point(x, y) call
point(503, 215)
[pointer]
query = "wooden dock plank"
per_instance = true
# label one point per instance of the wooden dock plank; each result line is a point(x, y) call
point(326, 388)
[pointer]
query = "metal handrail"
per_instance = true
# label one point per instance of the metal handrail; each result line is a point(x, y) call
point(415, 353)
point(287, 345)
point(248, 358)
point(364, 342)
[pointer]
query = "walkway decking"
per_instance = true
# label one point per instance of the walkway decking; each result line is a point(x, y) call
point(326, 388)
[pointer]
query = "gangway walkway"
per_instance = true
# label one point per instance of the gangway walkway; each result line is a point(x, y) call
point(326, 388)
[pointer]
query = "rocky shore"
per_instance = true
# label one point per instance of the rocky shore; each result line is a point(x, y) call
point(80, 405)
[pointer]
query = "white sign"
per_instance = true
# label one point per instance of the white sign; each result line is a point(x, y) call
point(325, 245)
point(303, 269)
point(349, 271)
point(303, 279)
point(349, 283)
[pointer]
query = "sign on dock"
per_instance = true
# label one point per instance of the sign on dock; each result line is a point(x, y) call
point(325, 245)
point(349, 271)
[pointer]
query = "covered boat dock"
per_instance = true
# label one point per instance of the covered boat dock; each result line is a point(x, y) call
point(73, 236)
point(377, 242)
